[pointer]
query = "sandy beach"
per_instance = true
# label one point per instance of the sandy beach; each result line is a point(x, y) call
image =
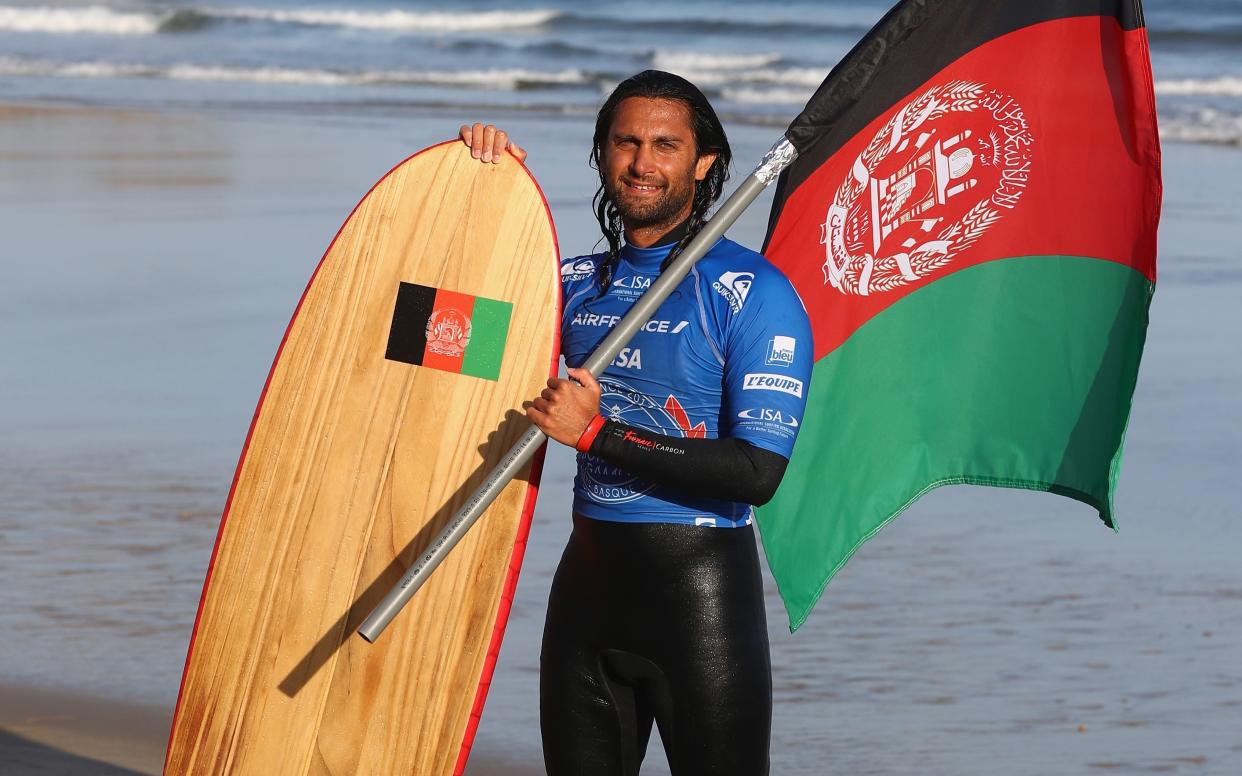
point(154, 258)
point(45, 731)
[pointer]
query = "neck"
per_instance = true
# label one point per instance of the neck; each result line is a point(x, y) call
point(662, 234)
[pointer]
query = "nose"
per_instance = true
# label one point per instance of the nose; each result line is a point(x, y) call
point(643, 161)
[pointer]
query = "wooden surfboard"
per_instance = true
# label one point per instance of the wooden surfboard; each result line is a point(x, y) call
point(433, 315)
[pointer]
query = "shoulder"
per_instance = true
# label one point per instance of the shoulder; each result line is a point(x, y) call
point(578, 274)
point(580, 267)
point(735, 273)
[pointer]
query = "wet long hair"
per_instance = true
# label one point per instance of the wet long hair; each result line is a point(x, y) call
point(709, 137)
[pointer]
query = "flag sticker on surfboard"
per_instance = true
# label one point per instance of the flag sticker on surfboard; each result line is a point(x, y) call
point(448, 330)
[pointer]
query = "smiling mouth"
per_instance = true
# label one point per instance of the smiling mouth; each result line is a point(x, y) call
point(640, 187)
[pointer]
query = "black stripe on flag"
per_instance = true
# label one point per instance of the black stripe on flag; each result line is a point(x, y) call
point(407, 337)
point(913, 42)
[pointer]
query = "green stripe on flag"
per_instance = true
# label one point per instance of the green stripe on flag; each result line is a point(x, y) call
point(1014, 373)
point(489, 326)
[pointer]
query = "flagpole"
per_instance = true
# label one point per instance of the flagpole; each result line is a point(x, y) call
point(778, 157)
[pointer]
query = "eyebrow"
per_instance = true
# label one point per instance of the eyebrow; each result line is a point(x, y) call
point(656, 139)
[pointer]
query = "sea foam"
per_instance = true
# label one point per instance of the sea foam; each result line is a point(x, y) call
point(395, 20)
point(1222, 86)
point(88, 19)
point(495, 78)
point(690, 60)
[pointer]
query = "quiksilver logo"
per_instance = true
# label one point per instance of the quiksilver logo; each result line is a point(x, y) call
point(577, 269)
point(734, 286)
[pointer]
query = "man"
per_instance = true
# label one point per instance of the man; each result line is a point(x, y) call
point(656, 611)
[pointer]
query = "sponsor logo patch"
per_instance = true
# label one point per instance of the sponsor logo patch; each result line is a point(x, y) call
point(781, 350)
point(654, 326)
point(765, 415)
point(771, 421)
point(734, 287)
point(578, 269)
point(631, 285)
point(761, 381)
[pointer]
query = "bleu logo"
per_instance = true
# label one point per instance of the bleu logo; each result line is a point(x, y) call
point(781, 350)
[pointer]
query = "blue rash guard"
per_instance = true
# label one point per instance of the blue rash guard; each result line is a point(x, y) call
point(727, 354)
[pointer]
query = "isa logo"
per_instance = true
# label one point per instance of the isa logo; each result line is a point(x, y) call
point(781, 351)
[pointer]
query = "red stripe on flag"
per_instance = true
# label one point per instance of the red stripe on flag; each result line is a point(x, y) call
point(1092, 187)
point(447, 330)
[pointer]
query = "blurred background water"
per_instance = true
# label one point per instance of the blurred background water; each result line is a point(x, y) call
point(759, 61)
point(184, 167)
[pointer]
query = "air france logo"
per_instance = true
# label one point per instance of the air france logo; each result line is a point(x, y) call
point(781, 350)
point(734, 286)
point(760, 381)
point(578, 269)
point(654, 326)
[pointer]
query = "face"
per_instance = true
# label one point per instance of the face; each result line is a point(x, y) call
point(650, 163)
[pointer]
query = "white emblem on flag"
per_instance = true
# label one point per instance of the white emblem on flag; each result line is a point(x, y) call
point(932, 181)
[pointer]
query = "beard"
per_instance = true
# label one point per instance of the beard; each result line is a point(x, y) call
point(662, 209)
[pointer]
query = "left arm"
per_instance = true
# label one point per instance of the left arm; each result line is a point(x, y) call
point(724, 468)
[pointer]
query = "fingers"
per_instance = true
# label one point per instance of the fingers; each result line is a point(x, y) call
point(585, 379)
point(499, 144)
point(488, 142)
point(476, 141)
point(518, 152)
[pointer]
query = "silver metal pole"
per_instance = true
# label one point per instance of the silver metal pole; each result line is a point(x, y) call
point(776, 159)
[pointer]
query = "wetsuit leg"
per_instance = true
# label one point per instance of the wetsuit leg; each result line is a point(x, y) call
point(656, 620)
point(591, 720)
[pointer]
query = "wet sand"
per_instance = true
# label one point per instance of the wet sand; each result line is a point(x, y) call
point(59, 733)
point(44, 731)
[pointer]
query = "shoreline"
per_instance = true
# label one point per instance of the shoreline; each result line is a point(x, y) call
point(51, 731)
point(56, 731)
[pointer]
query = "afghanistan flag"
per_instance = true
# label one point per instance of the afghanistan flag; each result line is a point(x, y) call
point(971, 223)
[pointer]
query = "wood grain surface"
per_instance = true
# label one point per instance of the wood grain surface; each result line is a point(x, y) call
point(353, 464)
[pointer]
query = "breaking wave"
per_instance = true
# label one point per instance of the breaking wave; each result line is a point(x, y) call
point(499, 78)
point(1222, 86)
point(101, 20)
point(396, 20)
point(96, 20)
point(686, 60)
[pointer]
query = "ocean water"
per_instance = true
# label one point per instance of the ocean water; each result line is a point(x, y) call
point(152, 258)
point(758, 61)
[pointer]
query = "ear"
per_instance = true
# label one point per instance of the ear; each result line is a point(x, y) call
point(703, 165)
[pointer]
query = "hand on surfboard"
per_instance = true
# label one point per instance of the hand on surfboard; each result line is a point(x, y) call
point(565, 408)
point(488, 143)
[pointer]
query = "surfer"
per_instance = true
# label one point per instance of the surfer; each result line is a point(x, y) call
point(656, 610)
